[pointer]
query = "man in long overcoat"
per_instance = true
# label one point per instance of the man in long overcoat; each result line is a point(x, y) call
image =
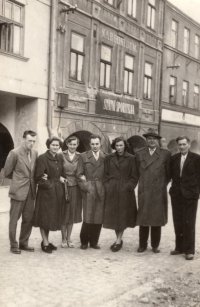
point(90, 173)
point(153, 165)
point(20, 167)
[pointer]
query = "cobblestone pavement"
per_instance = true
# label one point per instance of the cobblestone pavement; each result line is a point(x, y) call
point(73, 277)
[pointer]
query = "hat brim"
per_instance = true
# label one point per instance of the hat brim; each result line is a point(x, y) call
point(152, 134)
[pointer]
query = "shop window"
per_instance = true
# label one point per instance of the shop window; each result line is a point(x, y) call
point(185, 93)
point(148, 81)
point(174, 34)
point(197, 46)
point(132, 8)
point(77, 57)
point(196, 97)
point(151, 14)
point(11, 27)
point(105, 66)
point(172, 89)
point(186, 41)
point(128, 74)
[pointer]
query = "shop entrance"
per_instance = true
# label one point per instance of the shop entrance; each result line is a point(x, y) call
point(83, 136)
point(136, 142)
point(6, 145)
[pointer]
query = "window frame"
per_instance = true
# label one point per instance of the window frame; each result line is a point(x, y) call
point(172, 98)
point(174, 33)
point(133, 13)
point(196, 95)
point(149, 80)
point(186, 39)
point(77, 53)
point(106, 64)
point(185, 104)
point(130, 72)
point(197, 47)
point(151, 8)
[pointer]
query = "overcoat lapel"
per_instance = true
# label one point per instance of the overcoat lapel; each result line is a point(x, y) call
point(114, 159)
point(24, 157)
point(187, 161)
point(151, 159)
point(66, 156)
point(91, 158)
point(99, 162)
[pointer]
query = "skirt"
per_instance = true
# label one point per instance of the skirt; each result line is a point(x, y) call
point(72, 210)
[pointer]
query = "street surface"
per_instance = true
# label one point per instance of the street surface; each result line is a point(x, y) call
point(73, 277)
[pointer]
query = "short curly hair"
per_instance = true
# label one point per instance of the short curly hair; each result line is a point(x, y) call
point(71, 138)
point(119, 139)
point(51, 139)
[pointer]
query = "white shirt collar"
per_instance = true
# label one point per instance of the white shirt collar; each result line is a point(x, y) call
point(152, 150)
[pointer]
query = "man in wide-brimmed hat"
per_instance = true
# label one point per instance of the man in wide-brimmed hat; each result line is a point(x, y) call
point(153, 164)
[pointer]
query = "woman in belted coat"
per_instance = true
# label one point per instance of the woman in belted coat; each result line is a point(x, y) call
point(50, 193)
point(72, 212)
point(121, 177)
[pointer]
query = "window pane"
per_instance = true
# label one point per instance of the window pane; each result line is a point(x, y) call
point(73, 65)
point(130, 85)
point(130, 7)
point(1, 7)
point(134, 8)
point(148, 69)
point(129, 62)
point(152, 2)
point(152, 18)
point(77, 42)
point(80, 68)
point(102, 74)
point(174, 25)
point(196, 89)
point(197, 39)
point(16, 40)
point(149, 17)
point(172, 81)
point(110, 2)
point(108, 76)
point(149, 88)
point(185, 85)
point(17, 13)
point(8, 9)
point(145, 87)
point(125, 81)
point(105, 53)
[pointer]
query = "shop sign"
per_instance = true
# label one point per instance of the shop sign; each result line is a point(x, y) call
point(180, 117)
point(117, 106)
point(118, 40)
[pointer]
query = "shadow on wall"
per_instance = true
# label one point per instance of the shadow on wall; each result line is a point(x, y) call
point(172, 146)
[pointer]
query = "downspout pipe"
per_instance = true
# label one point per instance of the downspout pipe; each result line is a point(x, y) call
point(51, 36)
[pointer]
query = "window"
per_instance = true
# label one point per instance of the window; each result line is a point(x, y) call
point(11, 27)
point(77, 57)
point(172, 89)
point(148, 80)
point(185, 93)
point(174, 35)
point(105, 66)
point(196, 46)
point(128, 74)
point(186, 40)
point(132, 8)
point(151, 14)
point(196, 97)
point(111, 2)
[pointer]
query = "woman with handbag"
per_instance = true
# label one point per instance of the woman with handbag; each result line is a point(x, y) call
point(73, 200)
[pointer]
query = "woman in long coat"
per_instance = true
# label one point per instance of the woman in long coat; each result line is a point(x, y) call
point(50, 194)
point(73, 206)
point(121, 177)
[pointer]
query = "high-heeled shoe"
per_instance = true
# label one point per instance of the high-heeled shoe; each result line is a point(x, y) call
point(46, 249)
point(53, 247)
point(70, 244)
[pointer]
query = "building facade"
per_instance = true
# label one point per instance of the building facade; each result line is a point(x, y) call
point(180, 105)
point(109, 56)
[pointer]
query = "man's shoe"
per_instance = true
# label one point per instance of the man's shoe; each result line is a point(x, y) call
point(111, 247)
point(117, 247)
point(141, 249)
point(95, 246)
point(189, 257)
point(175, 252)
point(84, 247)
point(15, 250)
point(52, 247)
point(47, 249)
point(27, 248)
point(155, 250)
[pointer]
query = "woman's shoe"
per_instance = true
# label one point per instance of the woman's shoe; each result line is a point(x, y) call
point(53, 247)
point(64, 244)
point(46, 249)
point(113, 245)
point(70, 244)
point(117, 247)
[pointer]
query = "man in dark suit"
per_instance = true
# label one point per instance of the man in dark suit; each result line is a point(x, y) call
point(19, 167)
point(185, 174)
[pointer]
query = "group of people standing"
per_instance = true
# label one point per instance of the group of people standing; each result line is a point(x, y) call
point(103, 187)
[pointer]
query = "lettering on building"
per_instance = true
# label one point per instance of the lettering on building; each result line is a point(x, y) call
point(118, 40)
point(117, 106)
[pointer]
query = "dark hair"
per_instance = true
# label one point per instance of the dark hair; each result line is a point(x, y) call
point(182, 137)
point(119, 139)
point(70, 139)
point(51, 139)
point(30, 132)
point(95, 136)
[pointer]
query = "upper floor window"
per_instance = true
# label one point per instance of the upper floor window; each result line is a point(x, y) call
point(172, 89)
point(186, 40)
point(105, 66)
point(132, 8)
point(151, 14)
point(196, 96)
point(77, 57)
point(148, 80)
point(197, 46)
point(111, 2)
point(185, 93)
point(174, 34)
point(11, 27)
point(128, 74)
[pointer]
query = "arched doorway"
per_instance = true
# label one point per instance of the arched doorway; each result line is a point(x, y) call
point(172, 146)
point(195, 147)
point(6, 144)
point(136, 142)
point(83, 136)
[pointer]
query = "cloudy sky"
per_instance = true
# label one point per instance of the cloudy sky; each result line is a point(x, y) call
point(190, 7)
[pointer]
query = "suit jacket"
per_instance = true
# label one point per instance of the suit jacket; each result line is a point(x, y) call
point(188, 184)
point(21, 171)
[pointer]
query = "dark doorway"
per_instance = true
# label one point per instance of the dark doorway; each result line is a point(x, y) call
point(172, 146)
point(136, 142)
point(6, 144)
point(83, 136)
